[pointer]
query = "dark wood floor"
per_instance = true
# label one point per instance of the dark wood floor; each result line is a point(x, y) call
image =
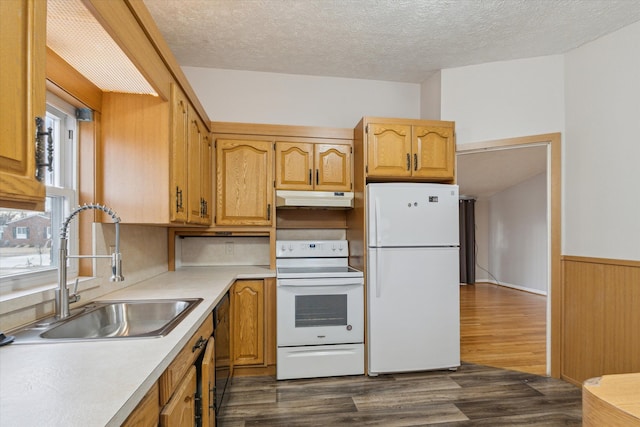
point(475, 395)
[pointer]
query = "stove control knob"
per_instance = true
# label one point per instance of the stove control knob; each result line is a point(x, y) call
point(349, 327)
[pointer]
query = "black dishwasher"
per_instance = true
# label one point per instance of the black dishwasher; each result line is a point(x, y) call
point(221, 333)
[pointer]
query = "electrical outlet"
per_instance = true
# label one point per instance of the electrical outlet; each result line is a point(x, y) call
point(228, 248)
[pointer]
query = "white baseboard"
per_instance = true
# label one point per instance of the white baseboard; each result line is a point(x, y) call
point(509, 285)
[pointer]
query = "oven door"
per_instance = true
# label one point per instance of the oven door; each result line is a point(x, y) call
point(320, 311)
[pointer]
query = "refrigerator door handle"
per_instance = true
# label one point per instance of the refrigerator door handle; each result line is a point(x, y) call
point(376, 217)
point(379, 270)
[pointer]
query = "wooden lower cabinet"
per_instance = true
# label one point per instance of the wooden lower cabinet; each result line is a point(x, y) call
point(147, 413)
point(181, 409)
point(173, 400)
point(253, 327)
point(208, 385)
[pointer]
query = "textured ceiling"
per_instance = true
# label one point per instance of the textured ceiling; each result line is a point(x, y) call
point(394, 40)
point(482, 174)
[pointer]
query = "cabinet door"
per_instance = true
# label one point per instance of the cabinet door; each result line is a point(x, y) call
point(433, 152)
point(248, 322)
point(22, 85)
point(181, 409)
point(333, 167)
point(206, 176)
point(147, 413)
point(195, 181)
point(244, 184)
point(294, 164)
point(208, 385)
point(179, 138)
point(388, 150)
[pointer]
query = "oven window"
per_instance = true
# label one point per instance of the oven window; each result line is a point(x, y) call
point(321, 310)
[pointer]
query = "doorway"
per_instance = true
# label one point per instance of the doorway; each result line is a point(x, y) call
point(528, 151)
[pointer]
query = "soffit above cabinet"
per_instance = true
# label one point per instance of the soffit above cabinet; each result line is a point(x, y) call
point(78, 38)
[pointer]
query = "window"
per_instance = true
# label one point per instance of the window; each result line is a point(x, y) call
point(22, 232)
point(28, 239)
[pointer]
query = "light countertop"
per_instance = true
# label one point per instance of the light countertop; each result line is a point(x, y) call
point(100, 383)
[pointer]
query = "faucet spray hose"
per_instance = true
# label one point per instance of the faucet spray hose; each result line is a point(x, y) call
point(64, 230)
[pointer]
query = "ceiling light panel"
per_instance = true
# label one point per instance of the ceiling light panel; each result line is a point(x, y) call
point(77, 37)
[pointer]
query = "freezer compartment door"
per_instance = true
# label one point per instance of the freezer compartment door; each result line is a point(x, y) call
point(412, 214)
point(413, 314)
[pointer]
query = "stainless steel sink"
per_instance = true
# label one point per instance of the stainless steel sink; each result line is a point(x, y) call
point(102, 320)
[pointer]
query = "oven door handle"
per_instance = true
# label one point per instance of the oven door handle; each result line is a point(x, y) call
point(324, 282)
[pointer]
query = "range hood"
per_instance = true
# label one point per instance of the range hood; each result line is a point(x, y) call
point(314, 199)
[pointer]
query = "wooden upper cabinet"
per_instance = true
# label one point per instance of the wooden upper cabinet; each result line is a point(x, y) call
point(206, 178)
point(244, 184)
point(179, 159)
point(309, 166)
point(294, 166)
point(200, 174)
point(155, 159)
point(420, 152)
point(388, 150)
point(433, 152)
point(333, 167)
point(22, 89)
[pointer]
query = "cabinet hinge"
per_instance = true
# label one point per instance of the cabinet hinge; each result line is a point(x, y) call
point(274, 146)
point(352, 185)
point(70, 134)
point(366, 169)
point(366, 129)
point(351, 150)
point(274, 184)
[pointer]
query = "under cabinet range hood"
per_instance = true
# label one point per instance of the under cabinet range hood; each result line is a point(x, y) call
point(314, 199)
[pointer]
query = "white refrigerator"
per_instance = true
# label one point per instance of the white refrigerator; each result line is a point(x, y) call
point(413, 294)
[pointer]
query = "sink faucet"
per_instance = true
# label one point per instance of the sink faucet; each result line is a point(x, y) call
point(63, 298)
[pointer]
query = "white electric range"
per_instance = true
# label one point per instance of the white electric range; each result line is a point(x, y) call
point(320, 306)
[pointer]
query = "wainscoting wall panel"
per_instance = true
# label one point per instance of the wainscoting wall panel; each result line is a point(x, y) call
point(600, 317)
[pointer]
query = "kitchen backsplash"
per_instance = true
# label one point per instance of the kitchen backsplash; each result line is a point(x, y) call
point(215, 251)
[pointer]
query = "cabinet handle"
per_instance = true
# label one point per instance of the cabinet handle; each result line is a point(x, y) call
point(178, 199)
point(40, 149)
point(310, 176)
point(408, 161)
point(198, 345)
point(415, 162)
point(269, 212)
point(212, 397)
point(317, 176)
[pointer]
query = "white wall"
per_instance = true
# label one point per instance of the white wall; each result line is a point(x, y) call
point(504, 99)
point(518, 242)
point(257, 97)
point(430, 97)
point(601, 168)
